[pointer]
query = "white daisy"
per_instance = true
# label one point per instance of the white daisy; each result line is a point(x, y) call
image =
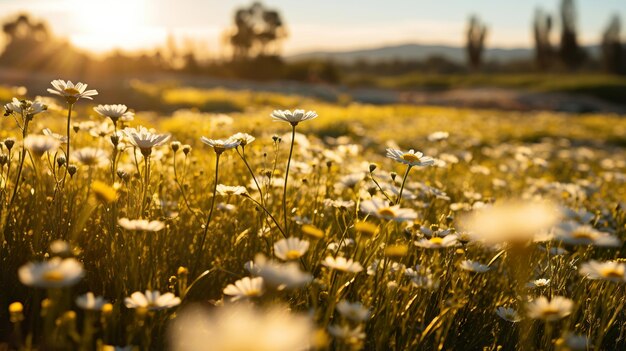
point(115, 112)
point(411, 157)
point(152, 300)
point(510, 221)
point(141, 225)
point(90, 302)
point(437, 242)
point(508, 314)
point(538, 283)
point(40, 144)
point(145, 140)
point(342, 264)
point(281, 275)
point(583, 234)
point(243, 138)
point(220, 145)
point(227, 190)
point(61, 138)
point(71, 92)
point(54, 273)
point(90, 156)
point(353, 311)
point(26, 107)
point(348, 334)
point(473, 266)
point(608, 270)
point(294, 117)
point(438, 136)
point(550, 310)
point(380, 208)
point(290, 248)
point(245, 288)
point(241, 326)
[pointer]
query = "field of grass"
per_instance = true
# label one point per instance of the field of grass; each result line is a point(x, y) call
point(328, 243)
point(607, 87)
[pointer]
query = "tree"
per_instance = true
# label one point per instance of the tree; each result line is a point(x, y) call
point(572, 55)
point(257, 32)
point(476, 34)
point(543, 48)
point(612, 49)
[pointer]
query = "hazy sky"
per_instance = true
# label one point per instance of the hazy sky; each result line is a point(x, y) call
point(316, 24)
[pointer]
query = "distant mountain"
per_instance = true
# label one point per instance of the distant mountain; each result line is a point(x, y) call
point(417, 52)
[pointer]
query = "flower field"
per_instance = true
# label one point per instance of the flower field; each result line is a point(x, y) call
point(299, 224)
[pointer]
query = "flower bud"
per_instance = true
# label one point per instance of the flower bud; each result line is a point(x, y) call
point(9, 142)
point(71, 169)
point(175, 145)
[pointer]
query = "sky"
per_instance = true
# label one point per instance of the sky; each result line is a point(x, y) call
point(103, 25)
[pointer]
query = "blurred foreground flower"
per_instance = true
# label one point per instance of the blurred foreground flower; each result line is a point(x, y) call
point(281, 275)
point(40, 144)
point(514, 222)
point(353, 311)
point(241, 327)
point(550, 310)
point(91, 157)
point(141, 225)
point(90, 302)
point(609, 270)
point(342, 264)
point(152, 300)
point(290, 248)
point(573, 233)
point(54, 273)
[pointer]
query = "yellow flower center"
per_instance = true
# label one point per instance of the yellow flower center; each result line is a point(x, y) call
point(410, 157)
point(387, 212)
point(365, 228)
point(550, 311)
point(292, 254)
point(253, 292)
point(312, 231)
point(436, 240)
point(612, 273)
point(583, 234)
point(71, 91)
point(53, 276)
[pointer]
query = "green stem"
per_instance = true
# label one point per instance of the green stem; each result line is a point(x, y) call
point(67, 148)
point(269, 214)
point(206, 226)
point(406, 174)
point(293, 137)
point(146, 182)
point(21, 166)
point(243, 158)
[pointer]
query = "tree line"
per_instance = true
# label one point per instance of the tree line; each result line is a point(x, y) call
point(254, 52)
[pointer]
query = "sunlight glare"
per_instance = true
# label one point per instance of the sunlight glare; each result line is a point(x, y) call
point(113, 24)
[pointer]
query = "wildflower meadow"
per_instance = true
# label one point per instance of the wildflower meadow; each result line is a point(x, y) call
point(299, 224)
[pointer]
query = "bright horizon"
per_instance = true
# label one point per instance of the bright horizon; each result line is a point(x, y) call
point(132, 25)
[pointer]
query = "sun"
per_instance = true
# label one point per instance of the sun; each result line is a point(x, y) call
point(113, 24)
